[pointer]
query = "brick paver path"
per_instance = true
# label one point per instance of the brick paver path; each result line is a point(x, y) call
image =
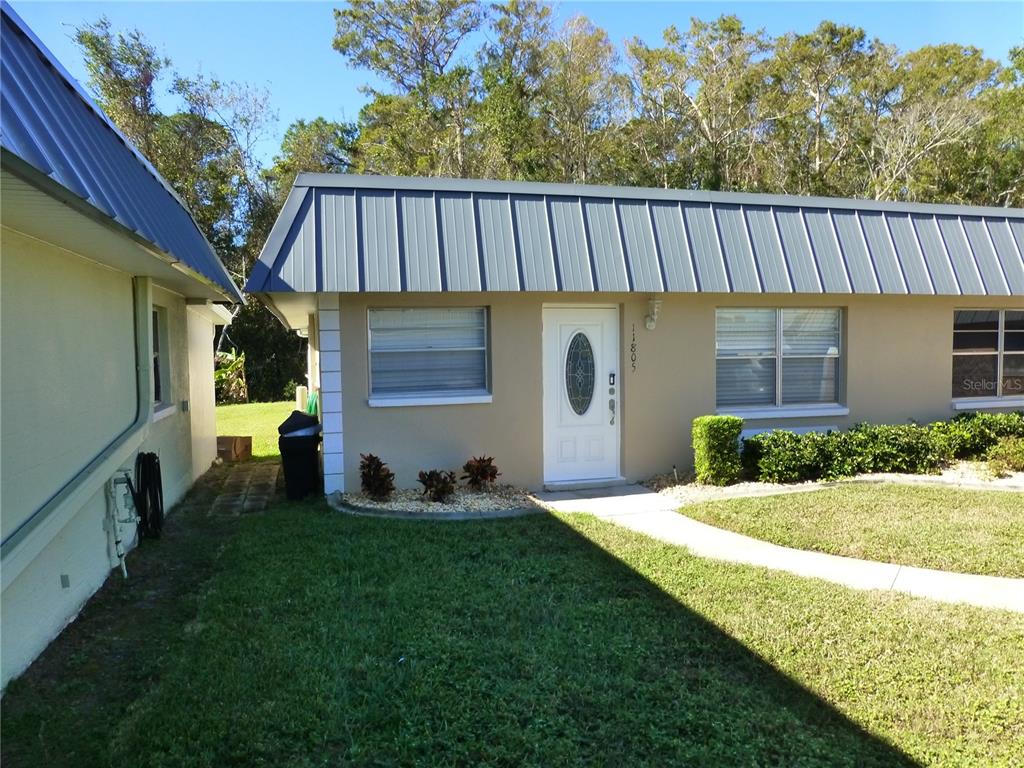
point(248, 487)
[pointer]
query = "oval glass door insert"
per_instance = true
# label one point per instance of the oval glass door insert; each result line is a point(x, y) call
point(579, 373)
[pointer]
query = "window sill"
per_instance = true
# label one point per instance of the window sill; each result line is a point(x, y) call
point(413, 400)
point(162, 410)
point(786, 412)
point(976, 403)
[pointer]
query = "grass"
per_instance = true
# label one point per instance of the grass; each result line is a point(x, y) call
point(325, 639)
point(260, 420)
point(945, 528)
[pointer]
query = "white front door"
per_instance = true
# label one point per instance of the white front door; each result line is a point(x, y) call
point(581, 394)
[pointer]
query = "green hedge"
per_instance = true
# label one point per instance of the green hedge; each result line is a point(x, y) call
point(716, 449)
point(781, 456)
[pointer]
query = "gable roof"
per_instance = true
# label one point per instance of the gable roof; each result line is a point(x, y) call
point(350, 233)
point(49, 124)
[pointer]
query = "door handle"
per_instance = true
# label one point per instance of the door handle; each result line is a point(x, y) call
point(611, 407)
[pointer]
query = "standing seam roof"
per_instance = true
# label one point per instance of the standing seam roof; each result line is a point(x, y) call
point(48, 121)
point(517, 236)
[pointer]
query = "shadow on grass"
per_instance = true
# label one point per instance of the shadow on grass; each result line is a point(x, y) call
point(324, 638)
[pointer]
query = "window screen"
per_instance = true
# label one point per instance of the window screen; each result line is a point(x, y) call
point(775, 357)
point(988, 353)
point(430, 352)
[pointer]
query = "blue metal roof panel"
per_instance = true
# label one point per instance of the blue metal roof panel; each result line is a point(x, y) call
point(297, 263)
point(887, 266)
point(825, 247)
point(380, 262)
point(458, 233)
point(904, 237)
point(340, 263)
point(764, 238)
point(492, 236)
point(797, 248)
point(1009, 257)
point(418, 227)
point(605, 242)
point(570, 241)
point(735, 238)
point(961, 256)
point(940, 268)
point(494, 228)
point(48, 121)
point(707, 254)
point(985, 256)
point(638, 236)
point(533, 238)
point(673, 246)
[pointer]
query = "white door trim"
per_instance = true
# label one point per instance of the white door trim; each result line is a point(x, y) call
point(608, 360)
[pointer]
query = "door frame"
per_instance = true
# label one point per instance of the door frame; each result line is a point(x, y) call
point(620, 383)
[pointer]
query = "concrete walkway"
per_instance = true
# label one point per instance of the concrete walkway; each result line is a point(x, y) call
point(642, 510)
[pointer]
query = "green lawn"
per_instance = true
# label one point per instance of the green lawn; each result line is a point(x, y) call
point(259, 420)
point(322, 639)
point(945, 528)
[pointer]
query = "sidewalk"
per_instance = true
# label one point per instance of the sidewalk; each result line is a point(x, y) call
point(643, 511)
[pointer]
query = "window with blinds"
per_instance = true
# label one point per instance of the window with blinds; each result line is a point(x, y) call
point(777, 357)
point(428, 352)
point(988, 353)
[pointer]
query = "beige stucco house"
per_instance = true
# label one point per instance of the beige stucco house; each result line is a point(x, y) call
point(109, 295)
point(575, 332)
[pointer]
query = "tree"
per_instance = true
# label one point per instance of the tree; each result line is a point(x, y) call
point(513, 70)
point(123, 71)
point(583, 101)
point(932, 111)
point(316, 146)
point(813, 93)
point(206, 151)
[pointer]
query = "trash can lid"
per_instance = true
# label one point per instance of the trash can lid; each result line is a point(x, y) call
point(298, 420)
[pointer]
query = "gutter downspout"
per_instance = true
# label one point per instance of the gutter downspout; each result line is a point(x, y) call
point(14, 548)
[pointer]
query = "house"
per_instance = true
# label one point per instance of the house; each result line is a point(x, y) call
point(575, 332)
point(109, 297)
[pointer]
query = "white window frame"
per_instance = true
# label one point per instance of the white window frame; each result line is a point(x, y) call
point(163, 406)
point(787, 410)
point(999, 400)
point(455, 397)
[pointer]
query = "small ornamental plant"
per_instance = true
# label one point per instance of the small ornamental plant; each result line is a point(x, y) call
point(438, 484)
point(480, 472)
point(377, 480)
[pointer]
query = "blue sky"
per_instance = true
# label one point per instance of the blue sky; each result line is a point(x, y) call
point(286, 46)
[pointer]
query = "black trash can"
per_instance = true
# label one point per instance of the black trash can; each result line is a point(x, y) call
point(299, 443)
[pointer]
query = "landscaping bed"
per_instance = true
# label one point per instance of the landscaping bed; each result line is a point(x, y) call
point(462, 503)
point(551, 640)
point(947, 528)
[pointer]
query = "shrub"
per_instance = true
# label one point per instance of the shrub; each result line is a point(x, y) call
point(781, 456)
point(1006, 456)
point(716, 449)
point(438, 484)
point(971, 435)
point(907, 448)
point(786, 457)
point(377, 480)
point(480, 472)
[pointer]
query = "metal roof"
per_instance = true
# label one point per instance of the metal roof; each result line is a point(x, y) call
point(373, 233)
point(49, 122)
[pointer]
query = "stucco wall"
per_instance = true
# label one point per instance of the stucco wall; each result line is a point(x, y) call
point(68, 388)
point(897, 366)
point(201, 393)
point(62, 316)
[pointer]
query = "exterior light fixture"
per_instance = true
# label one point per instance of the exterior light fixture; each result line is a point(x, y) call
point(653, 307)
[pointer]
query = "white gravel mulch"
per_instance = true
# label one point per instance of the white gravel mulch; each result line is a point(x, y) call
point(498, 498)
point(964, 474)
